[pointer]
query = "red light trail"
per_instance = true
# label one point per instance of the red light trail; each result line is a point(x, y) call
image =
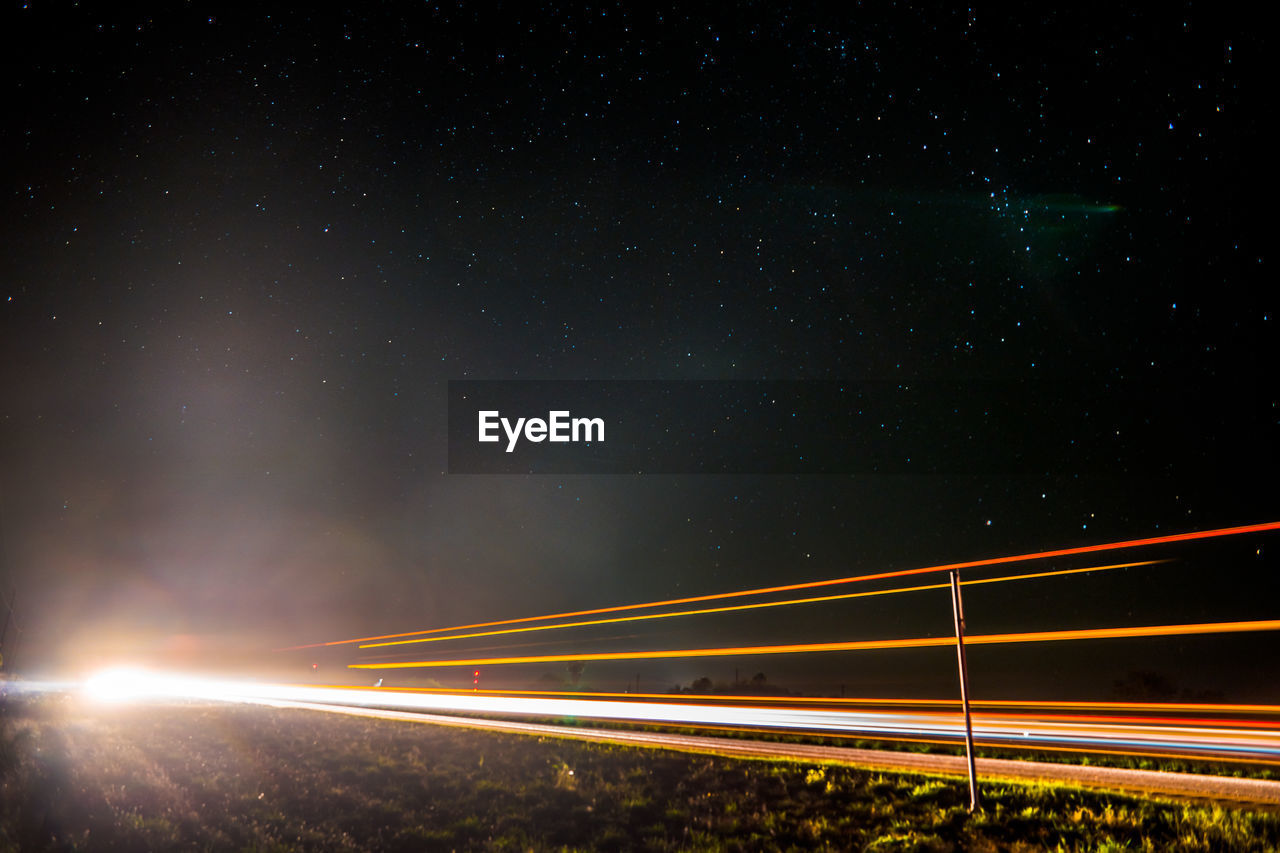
point(758, 606)
point(945, 567)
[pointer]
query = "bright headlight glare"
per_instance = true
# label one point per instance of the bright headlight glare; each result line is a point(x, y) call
point(121, 684)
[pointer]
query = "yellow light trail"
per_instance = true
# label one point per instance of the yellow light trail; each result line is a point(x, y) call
point(970, 564)
point(858, 645)
point(730, 608)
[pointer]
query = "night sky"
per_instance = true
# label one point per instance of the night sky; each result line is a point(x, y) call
point(246, 252)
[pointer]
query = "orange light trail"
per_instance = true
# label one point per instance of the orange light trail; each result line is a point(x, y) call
point(1111, 705)
point(1127, 753)
point(757, 606)
point(1114, 719)
point(859, 645)
point(970, 564)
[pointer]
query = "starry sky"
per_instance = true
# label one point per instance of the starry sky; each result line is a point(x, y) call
point(246, 251)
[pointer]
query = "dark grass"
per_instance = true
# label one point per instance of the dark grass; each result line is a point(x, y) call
point(227, 777)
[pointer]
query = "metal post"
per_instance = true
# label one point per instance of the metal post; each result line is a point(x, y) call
point(8, 615)
point(4, 634)
point(957, 607)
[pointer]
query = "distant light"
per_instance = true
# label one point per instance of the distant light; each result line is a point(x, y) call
point(130, 684)
point(123, 684)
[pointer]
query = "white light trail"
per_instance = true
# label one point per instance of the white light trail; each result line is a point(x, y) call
point(1221, 738)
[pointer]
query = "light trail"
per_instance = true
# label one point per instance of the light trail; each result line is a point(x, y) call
point(1172, 711)
point(1153, 720)
point(882, 702)
point(1158, 729)
point(1170, 737)
point(757, 606)
point(993, 561)
point(854, 645)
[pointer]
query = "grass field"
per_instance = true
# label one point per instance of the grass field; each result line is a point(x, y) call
point(228, 777)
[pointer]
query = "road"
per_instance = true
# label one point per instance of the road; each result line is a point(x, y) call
point(1243, 733)
point(1198, 786)
point(1223, 732)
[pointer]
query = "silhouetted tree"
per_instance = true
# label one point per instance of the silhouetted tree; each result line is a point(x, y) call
point(575, 671)
point(1144, 684)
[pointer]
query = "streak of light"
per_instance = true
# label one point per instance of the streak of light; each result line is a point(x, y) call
point(1137, 707)
point(856, 645)
point(546, 642)
point(915, 724)
point(35, 686)
point(1147, 721)
point(1128, 753)
point(971, 564)
point(1015, 721)
point(757, 606)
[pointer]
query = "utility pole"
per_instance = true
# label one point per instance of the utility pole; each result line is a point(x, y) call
point(957, 608)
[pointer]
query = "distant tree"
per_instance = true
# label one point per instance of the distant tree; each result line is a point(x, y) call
point(702, 685)
point(1144, 684)
point(575, 671)
point(758, 680)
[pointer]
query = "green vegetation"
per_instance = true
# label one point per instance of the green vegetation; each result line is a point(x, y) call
point(224, 777)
